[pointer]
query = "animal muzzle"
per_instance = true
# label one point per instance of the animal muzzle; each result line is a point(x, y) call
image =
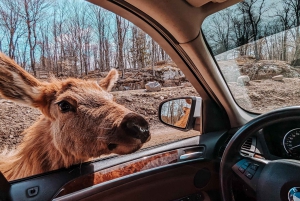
point(136, 126)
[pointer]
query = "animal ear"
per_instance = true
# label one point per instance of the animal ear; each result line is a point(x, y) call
point(188, 101)
point(16, 84)
point(108, 82)
point(185, 109)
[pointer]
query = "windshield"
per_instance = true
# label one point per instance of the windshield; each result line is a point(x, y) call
point(256, 44)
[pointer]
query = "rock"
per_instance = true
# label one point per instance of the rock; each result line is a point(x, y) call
point(277, 78)
point(159, 63)
point(243, 80)
point(161, 98)
point(169, 83)
point(153, 86)
point(254, 96)
point(145, 95)
point(280, 99)
point(156, 96)
point(128, 99)
point(186, 84)
point(125, 88)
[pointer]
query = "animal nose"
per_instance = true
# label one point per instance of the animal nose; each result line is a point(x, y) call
point(136, 126)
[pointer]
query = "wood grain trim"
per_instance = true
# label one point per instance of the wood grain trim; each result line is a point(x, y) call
point(118, 171)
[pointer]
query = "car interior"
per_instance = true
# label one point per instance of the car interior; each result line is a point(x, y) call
point(238, 154)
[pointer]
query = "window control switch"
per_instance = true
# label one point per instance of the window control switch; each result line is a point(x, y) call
point(254, 167)
point(242, 170)
point(248, 175)
point(246, 164)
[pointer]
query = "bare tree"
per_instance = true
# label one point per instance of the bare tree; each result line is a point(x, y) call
point(240, 32)
point(122, 28)
point(284, 16)
point(11, 22)
point(33, 13)
point(253, 10)
point(294, 5)
point(98, 20)
point(220, 30)
point(58, 26)
point(70, 38)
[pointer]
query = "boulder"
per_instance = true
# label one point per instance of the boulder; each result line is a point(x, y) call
point(254, 96)
point(186, 84)
point(169, 83)
point(278, 78)
point(128, 99)
point(153, 86)
point(162, 62)
point(125, 88)
point(243, 80)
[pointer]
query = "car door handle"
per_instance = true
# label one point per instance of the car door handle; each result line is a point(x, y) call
point(192, 155)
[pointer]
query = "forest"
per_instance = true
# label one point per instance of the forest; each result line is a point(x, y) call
point(75, 37)
point(263, 29)
point(72, 38)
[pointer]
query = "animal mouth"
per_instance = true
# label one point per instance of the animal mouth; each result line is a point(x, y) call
point(111, 146)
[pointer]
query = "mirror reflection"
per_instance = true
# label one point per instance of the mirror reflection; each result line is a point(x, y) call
point(176, 112)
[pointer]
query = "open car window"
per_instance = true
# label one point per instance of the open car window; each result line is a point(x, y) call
point(256, 45)
point(56, 40)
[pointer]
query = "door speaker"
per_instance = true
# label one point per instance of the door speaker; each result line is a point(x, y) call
point(202, 178)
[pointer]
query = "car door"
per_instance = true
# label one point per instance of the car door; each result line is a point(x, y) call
point(182, 169)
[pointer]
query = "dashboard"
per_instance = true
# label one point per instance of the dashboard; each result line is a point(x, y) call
point(283, 139)
point(277, 141)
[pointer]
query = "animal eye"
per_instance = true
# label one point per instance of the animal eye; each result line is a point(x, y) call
point(65, 106)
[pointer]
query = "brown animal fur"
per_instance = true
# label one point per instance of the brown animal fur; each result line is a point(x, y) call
point(93, 126)
point(184, 119)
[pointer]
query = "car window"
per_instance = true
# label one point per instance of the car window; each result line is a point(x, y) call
point(256, 45)
point(56, 40)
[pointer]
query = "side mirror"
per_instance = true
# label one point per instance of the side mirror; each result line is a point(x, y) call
point(180, 113)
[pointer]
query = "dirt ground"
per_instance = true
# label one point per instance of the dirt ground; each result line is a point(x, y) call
point(262, 96)
point(15, 118)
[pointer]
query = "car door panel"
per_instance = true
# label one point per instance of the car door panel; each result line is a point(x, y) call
point(118, 171)
point(169, 182)
point(51, 184)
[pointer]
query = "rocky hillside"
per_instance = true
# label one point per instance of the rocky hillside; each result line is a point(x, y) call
point(269, 84)
point(256, 70)
point(166, 73)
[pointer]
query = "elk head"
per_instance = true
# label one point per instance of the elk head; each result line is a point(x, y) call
point(83, 120)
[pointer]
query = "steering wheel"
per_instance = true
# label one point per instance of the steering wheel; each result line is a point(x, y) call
point(274, 180)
